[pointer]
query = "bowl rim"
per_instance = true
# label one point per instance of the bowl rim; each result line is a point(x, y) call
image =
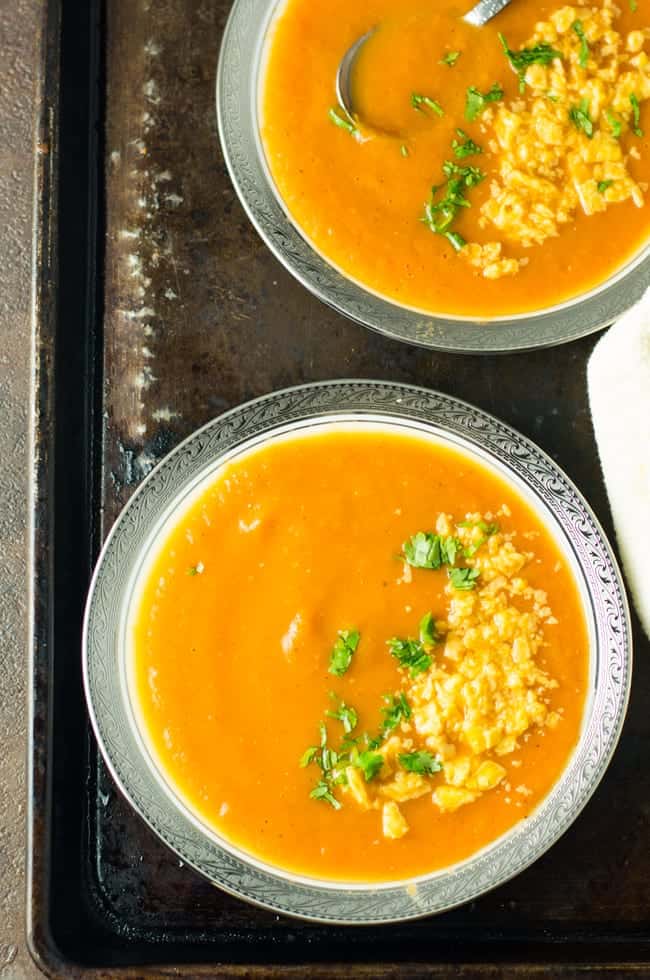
point(237, 91)
point(228, 866)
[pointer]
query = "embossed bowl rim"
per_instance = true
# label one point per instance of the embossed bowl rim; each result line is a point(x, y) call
point(238, 84)
point(368, 404)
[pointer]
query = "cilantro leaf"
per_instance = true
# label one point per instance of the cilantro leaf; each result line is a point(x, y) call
point(634, 6)
point(344, 121)
point(579, 116)
point(370, 763)
point(321, 791)
point(308, 756)
point(463, 579)
point(477, 102)
point(429, 635)
point(395, 711)
point(615, 124)
point(346, 714)
point(411, 654)
point(450, 58)
point(471, 176)
point(421, 762)
point(467, 147)
point(422, 102)
point(343, 651)
point(540, 54)
point(428, 550)
point(636, 112)
point(578, 28)
point(603, 185)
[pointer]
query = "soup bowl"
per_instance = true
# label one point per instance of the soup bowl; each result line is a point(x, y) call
point(161, 500)
point(239, 81)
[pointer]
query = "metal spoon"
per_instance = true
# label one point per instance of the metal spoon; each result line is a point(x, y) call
point(477, 17)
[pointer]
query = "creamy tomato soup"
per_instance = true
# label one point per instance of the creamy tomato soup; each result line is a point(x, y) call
point(532, 132)
point(359, 656)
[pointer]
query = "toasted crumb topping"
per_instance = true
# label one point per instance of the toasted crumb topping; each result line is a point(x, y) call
point(482, 694)
point(558, 144)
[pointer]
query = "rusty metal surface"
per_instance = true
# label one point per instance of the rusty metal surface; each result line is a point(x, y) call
point(20, 23)
point(198, 316)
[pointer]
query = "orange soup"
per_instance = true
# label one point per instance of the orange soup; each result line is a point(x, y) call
point(532, 132)
point(359, 656)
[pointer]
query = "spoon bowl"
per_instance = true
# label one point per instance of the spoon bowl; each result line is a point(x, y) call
point(477, 17)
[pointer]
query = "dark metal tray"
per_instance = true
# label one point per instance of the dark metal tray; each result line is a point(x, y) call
point(157, 308)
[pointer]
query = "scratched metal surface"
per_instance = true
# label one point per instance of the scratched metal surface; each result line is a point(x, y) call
point(198, 317)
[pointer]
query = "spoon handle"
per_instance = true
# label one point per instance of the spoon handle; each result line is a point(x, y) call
point(484, 11)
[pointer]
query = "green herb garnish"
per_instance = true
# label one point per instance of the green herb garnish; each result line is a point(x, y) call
point(395, 711)
point(471, 176)
point(193, 570)
point(463, 579)
point(404, 150)
point(615, 124)
point(323, 792)
point(467, 147)
point(455, 239)
point(429, 635)
point(603, 185)
point(343, 651)
point(345, 714)
point(427, 550)
point(370, 763)
point(411, 654)
point(477, 102)
point(308, 756)
point(540, 54)
point(579, 116)
point(636, 113)
point(344, 121)
point(422, 102)
point(578, 28)
point(421, 762)
point(633, 6)
point(450, 58)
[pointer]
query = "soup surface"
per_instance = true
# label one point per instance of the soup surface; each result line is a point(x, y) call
point(531, 130)
point(360, 656)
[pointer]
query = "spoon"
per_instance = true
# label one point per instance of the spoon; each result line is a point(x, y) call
point(477, 17)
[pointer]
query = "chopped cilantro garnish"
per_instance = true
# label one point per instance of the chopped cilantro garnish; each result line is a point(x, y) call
point(429, 635)
point(343, 651)
point(578, 28)
point(422, 102)
point(455, 239)
point(615, 124)
point(579, 116)
point(450, 58)
point(308, 756)
point(603, 185)
point(395, 711)
point(540, 54)
point(477, 102)
point(370, 763)
point(411, 654)
point(471, 176)
point(463, 579)
point(421, 762)
point(344, 121)
point(427, 550)
point(636, 113)
point(193, 570)
point(633, 6)
point(404, 150)
point(467, 147)
point(346, 715)
point(322, 792)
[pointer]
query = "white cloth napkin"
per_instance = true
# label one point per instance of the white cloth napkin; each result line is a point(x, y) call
point(619, 395)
